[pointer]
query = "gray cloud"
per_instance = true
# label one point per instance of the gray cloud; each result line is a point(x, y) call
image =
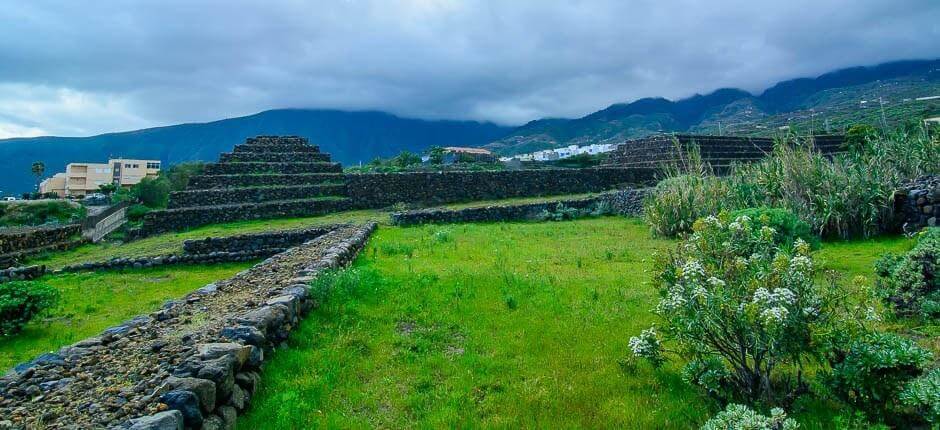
point(79, 68)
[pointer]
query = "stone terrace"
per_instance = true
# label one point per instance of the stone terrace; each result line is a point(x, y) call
point(720, 151)
point(265, 177)
point(195, 361)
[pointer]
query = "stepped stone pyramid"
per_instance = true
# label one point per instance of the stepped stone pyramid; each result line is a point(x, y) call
point(720, 151)
point(265, 177)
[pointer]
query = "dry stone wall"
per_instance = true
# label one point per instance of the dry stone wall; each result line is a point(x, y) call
point(211, 250)
point(622, 202)
point(434, 188)
point(23, 273)
point(196, 362)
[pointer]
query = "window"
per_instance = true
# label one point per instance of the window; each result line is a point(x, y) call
point(127, 166)
point(153, 165)
point(136, 166)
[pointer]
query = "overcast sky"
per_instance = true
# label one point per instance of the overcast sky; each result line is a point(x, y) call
point(77, 68)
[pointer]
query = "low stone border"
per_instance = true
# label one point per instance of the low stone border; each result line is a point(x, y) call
point(624, 202)
point(22, 273)
point(255, 241)
point(171, 259)
point(195, 363)
point(19, 243)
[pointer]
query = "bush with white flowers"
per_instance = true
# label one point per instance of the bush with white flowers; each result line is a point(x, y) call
point(741, 308)
point(739, 417)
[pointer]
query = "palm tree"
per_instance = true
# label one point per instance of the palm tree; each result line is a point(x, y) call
point(38, 169)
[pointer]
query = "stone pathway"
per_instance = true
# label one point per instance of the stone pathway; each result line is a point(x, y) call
point(195, 360)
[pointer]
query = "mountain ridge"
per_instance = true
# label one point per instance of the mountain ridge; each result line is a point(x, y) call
point(703, 112)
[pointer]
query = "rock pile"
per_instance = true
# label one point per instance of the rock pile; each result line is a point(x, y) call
point(194, 362)
point(917, 203)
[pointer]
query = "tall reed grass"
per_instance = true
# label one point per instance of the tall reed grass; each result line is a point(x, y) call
point(847, 195)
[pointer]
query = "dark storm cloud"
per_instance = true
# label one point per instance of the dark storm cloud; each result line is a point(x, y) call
point(87, 67)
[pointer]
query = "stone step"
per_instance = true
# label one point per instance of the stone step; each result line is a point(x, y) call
point(288, 147)
point(204, 182)
point(179, 219)
point(274, 157)
point(265, 168)
point(213, 197)
point(276, 140)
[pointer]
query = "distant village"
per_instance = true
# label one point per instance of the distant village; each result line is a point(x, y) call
point(560, 153)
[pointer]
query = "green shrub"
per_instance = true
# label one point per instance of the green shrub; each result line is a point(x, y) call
point(152, 192)
point(739, 417)
point(678, 201)
point(136, 212)
point(870, 373)
point(744, 310)
point(923, 395)
point(910, 282)
point(787, 225)
point(858, 136)
point(21, 301)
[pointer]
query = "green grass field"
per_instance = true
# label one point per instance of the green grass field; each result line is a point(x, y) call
point(92, 302)
point(497, 326)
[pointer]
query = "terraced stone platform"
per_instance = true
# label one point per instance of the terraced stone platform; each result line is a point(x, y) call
point(720, 151)
point(265, 177)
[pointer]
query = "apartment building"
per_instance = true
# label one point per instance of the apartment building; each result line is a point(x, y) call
point(80, 179)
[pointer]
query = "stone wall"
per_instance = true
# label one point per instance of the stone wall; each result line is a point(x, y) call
point(179, 219)
point(18, 243)
point(434, 188)
point(195, 362)
point(249, 168)
point(917, 203)
point(215, 197)
point(717, 150)
point(622, 202)
point(211, 250)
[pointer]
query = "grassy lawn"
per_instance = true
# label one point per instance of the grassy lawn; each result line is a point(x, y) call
point(92, 302)
point(497, 325)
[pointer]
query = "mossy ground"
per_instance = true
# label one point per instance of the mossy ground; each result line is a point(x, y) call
point(503, 325)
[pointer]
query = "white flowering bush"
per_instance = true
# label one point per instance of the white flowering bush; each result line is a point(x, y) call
point(740, 308)
point(739, 417)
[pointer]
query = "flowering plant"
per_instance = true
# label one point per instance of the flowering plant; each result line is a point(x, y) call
point(740, 307)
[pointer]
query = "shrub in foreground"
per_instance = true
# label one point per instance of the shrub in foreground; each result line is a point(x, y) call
point(786, 224)
point(744, 310)
point(740, 417)
point(21, 301)
point(871, 372)
point(911, 282)
point(923, 396)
